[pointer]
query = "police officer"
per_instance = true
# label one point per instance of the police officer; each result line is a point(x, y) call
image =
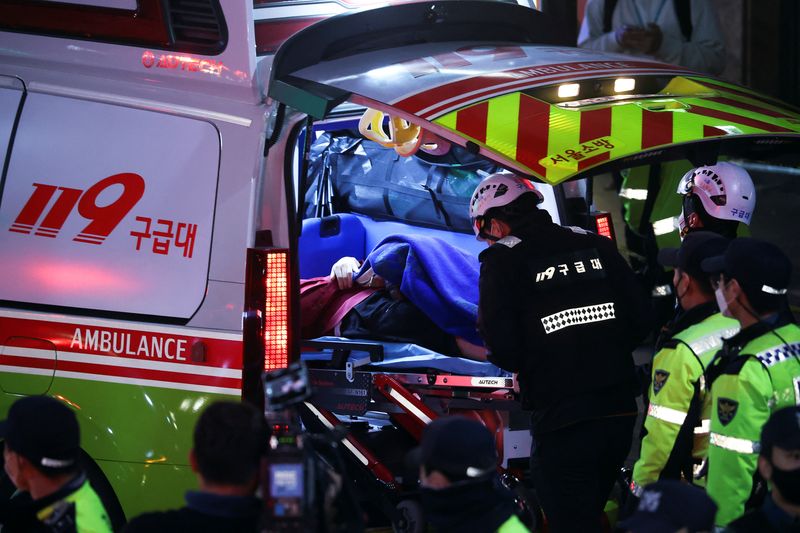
point(560, 307)
point(42, 454)
point(684, 350)
point(778, 463)
point(755, 373)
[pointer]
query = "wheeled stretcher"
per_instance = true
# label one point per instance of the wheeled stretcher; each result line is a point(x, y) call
point(385, 393)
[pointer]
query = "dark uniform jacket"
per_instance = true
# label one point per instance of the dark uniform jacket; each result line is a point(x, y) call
point(561, 307)
point(204, 513)
point(769, 518)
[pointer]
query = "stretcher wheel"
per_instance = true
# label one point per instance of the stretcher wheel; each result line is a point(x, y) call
point(410, 518)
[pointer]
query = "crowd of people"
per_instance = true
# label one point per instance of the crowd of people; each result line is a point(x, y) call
point(561, 309)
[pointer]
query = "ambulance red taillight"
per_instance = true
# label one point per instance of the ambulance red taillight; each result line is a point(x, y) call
point(276, 311)
point(267, 315)
point(604, 224)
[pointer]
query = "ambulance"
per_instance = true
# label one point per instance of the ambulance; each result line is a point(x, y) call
point(157, 209)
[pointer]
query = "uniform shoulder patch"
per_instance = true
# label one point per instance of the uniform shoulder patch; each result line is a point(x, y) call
point(659, 380)
point(509, 241)
point(726, 410)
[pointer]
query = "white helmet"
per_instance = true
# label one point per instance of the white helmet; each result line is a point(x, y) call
point(725, 190)
point(497, 190)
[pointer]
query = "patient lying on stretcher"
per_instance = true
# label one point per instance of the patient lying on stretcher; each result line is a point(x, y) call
point(383, 298)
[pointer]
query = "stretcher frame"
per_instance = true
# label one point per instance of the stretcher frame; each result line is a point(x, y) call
point(347, 389)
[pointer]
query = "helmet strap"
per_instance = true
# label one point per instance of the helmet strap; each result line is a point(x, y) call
point(487, 222)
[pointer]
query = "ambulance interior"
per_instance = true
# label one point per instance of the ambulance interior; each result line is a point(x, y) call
point(364, 188)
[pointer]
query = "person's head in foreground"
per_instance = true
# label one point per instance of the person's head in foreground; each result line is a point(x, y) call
point(671, 506)
point(779, 457)
point(230, 439)
point(460, 487)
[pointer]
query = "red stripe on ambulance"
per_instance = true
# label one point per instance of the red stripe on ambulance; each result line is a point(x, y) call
point(656, 128)
point(595, 124)
point(532, 132)
point(158, 353)
point(472, 121)
point(738, 119)
point(748, 107)
point(737, 92)
point(120, 371)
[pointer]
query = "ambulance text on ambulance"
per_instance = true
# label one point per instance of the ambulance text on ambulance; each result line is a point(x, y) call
point(129, 343)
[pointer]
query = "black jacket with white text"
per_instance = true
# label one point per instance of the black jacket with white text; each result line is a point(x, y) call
point(561, 307)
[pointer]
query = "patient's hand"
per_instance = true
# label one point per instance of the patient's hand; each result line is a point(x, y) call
point(342, 271)
point(471, 351)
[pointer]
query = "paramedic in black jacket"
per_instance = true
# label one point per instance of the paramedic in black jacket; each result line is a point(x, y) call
point(561, 308)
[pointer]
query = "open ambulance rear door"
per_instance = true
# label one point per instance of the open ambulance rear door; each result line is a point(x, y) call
point(547, 112)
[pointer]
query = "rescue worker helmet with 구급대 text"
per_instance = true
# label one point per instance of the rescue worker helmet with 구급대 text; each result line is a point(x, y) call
point(497, 190)
point(725, 191)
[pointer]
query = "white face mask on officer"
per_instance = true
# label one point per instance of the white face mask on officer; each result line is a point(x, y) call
point(719, 294)
point(722, 303)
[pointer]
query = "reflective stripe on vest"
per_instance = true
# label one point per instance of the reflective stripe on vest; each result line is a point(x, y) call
point(703, 428)
point(713, 341)
point(633, 194)
point(666, 414)
point(734, 444)
point(773, 356)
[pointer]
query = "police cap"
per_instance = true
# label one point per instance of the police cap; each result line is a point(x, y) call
point(781, 430)
point(695, 248)
point(44, 431)
point(458, 447)
point(669, 505)
point(761, 268)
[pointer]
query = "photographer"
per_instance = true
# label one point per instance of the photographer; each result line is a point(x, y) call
point(229, 441)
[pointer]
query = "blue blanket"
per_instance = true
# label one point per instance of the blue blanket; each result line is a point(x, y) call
point(440, 279)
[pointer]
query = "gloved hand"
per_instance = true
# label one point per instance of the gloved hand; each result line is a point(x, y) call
point(342, 271)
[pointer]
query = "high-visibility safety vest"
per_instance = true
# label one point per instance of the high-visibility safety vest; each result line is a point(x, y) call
point(635, 192)
point(676, 391)
point(82, 508)
point(513, 525)
point(746, 387)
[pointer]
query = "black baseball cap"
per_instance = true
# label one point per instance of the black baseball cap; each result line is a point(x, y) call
point(781, 430)
point(695, 248)
point(44, 431)
point(761, 268)
point(458, 447)
point(669, 505)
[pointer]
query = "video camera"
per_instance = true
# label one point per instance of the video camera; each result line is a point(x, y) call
point(289, 478)
point(298, 486)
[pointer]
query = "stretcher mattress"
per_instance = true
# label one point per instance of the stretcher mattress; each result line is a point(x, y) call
point(403, 357)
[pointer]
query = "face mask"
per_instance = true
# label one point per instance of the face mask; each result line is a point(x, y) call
point(788, 483)
point(722, 303)
point(678, 294)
